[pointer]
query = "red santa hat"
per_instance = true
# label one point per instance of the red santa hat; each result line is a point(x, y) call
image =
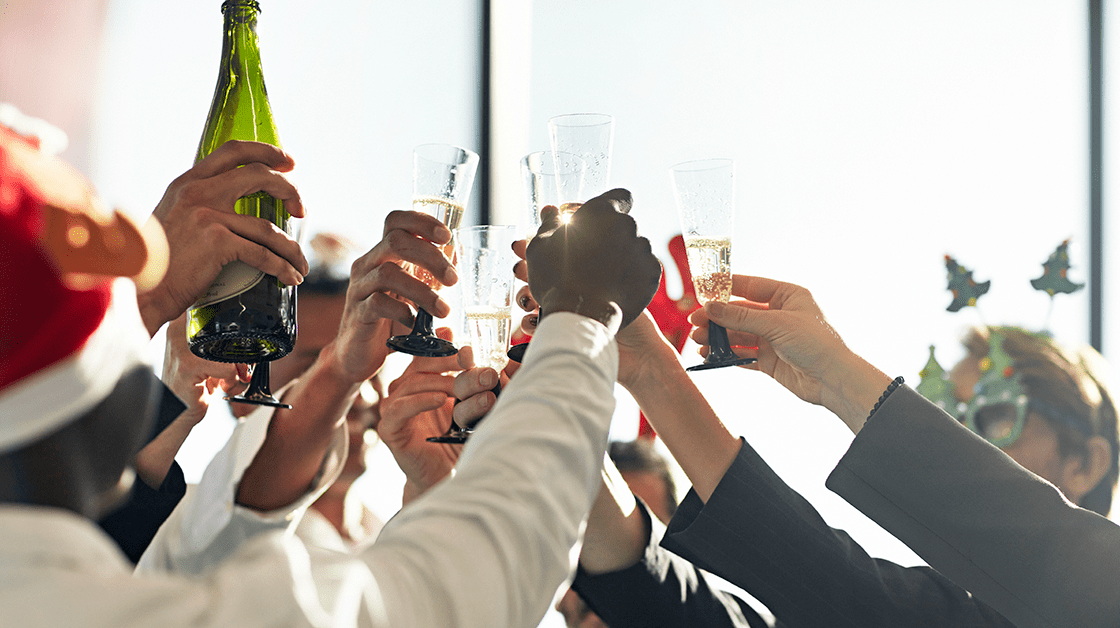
point(69, 324)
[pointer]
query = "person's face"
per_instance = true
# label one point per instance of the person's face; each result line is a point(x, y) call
point(318, 317)
point(1037, 447)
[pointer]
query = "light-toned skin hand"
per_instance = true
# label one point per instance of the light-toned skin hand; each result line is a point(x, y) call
point(205, 233)
point(796, 346)
point(616, 534)
point(289, 459)
point(421, 403)
point(192, 379)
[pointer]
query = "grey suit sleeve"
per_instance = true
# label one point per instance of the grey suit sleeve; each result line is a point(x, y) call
point(980, 519)
point(760, 534)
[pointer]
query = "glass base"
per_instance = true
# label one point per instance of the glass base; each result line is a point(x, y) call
point(259, 400)
point(423, 346)
point(720, 363)
point(517, 352)
point(454, 435)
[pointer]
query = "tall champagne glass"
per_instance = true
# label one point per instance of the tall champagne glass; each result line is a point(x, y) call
point(549, 178)
point(485, 261)
point(589, 136)
point(442, 177)
point(705, 195)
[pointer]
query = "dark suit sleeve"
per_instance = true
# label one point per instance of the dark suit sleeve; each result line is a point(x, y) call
point(761, 535)
point(134, 524)
point(980, 519)
point(662, 590)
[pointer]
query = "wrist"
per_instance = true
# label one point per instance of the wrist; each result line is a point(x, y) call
point(600, 309)
point(150, 314)
point(854, 391)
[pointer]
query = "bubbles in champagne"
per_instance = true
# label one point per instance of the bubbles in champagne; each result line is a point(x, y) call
point(709, 260)
point(450, 214)
point(489, 335)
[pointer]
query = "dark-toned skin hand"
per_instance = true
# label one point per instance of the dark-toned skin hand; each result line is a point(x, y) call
point(205, 233)
point(594, 263)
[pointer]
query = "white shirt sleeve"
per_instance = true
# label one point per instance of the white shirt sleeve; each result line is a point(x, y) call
point(208, 525)
point(490, 545)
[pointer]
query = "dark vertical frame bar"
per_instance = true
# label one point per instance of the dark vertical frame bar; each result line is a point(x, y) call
point(1096, 163)
point(482, 180)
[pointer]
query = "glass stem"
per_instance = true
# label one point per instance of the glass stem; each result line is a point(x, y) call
point(720, 345)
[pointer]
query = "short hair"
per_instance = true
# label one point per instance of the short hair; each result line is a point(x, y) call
point(1072, 382)
point(640, 456)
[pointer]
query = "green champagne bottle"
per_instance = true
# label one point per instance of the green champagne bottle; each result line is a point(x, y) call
point(246, 316)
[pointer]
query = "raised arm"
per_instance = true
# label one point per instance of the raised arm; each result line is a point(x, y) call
point(292, 454)
point(492, 542)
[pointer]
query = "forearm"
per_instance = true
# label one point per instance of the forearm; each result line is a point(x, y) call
point(684, 421)
point(851, 389)
point(617, 533)
point(292, 453)
point(154, 460)
point(524, 483)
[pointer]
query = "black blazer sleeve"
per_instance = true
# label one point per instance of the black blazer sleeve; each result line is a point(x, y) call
point(662, 590)
point(761, 535)
point(980, 519)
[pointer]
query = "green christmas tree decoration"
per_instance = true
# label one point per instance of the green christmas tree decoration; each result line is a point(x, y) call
point(936, 387)
point(965, 289)
point(999, 381)
point(1054, 279)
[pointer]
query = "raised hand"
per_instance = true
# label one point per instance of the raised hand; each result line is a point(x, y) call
point(192, 379)
point(380, 290)
point(795, 345)
point(596, 265)
point(205, 233)
point(421, 403)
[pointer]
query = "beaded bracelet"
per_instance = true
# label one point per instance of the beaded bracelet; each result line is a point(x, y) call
point(886, 393)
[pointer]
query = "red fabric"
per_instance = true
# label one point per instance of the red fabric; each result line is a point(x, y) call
point(672, 315)
point(41, 320)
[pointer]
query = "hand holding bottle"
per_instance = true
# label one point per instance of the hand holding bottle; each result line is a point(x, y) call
point(204, 232)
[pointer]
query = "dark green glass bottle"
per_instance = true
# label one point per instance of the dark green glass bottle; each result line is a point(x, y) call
point(246, 316)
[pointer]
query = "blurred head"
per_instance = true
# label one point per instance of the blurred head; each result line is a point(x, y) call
point(1063, 429)
point(647, 474)
point(76, 392)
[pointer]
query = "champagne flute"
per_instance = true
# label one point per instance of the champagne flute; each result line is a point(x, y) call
point(549, 178)
point(442, 176)
point(590, 136)
point(485, 260)
point(705, 195)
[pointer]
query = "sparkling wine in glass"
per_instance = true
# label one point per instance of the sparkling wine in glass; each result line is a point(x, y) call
point(442, 177)
point(705, 194)
point(485, 261)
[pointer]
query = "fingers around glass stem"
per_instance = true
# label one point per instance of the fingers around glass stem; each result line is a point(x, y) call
point(719, 353)
point(259, 392)
point(422, 340)
point(456, 434)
